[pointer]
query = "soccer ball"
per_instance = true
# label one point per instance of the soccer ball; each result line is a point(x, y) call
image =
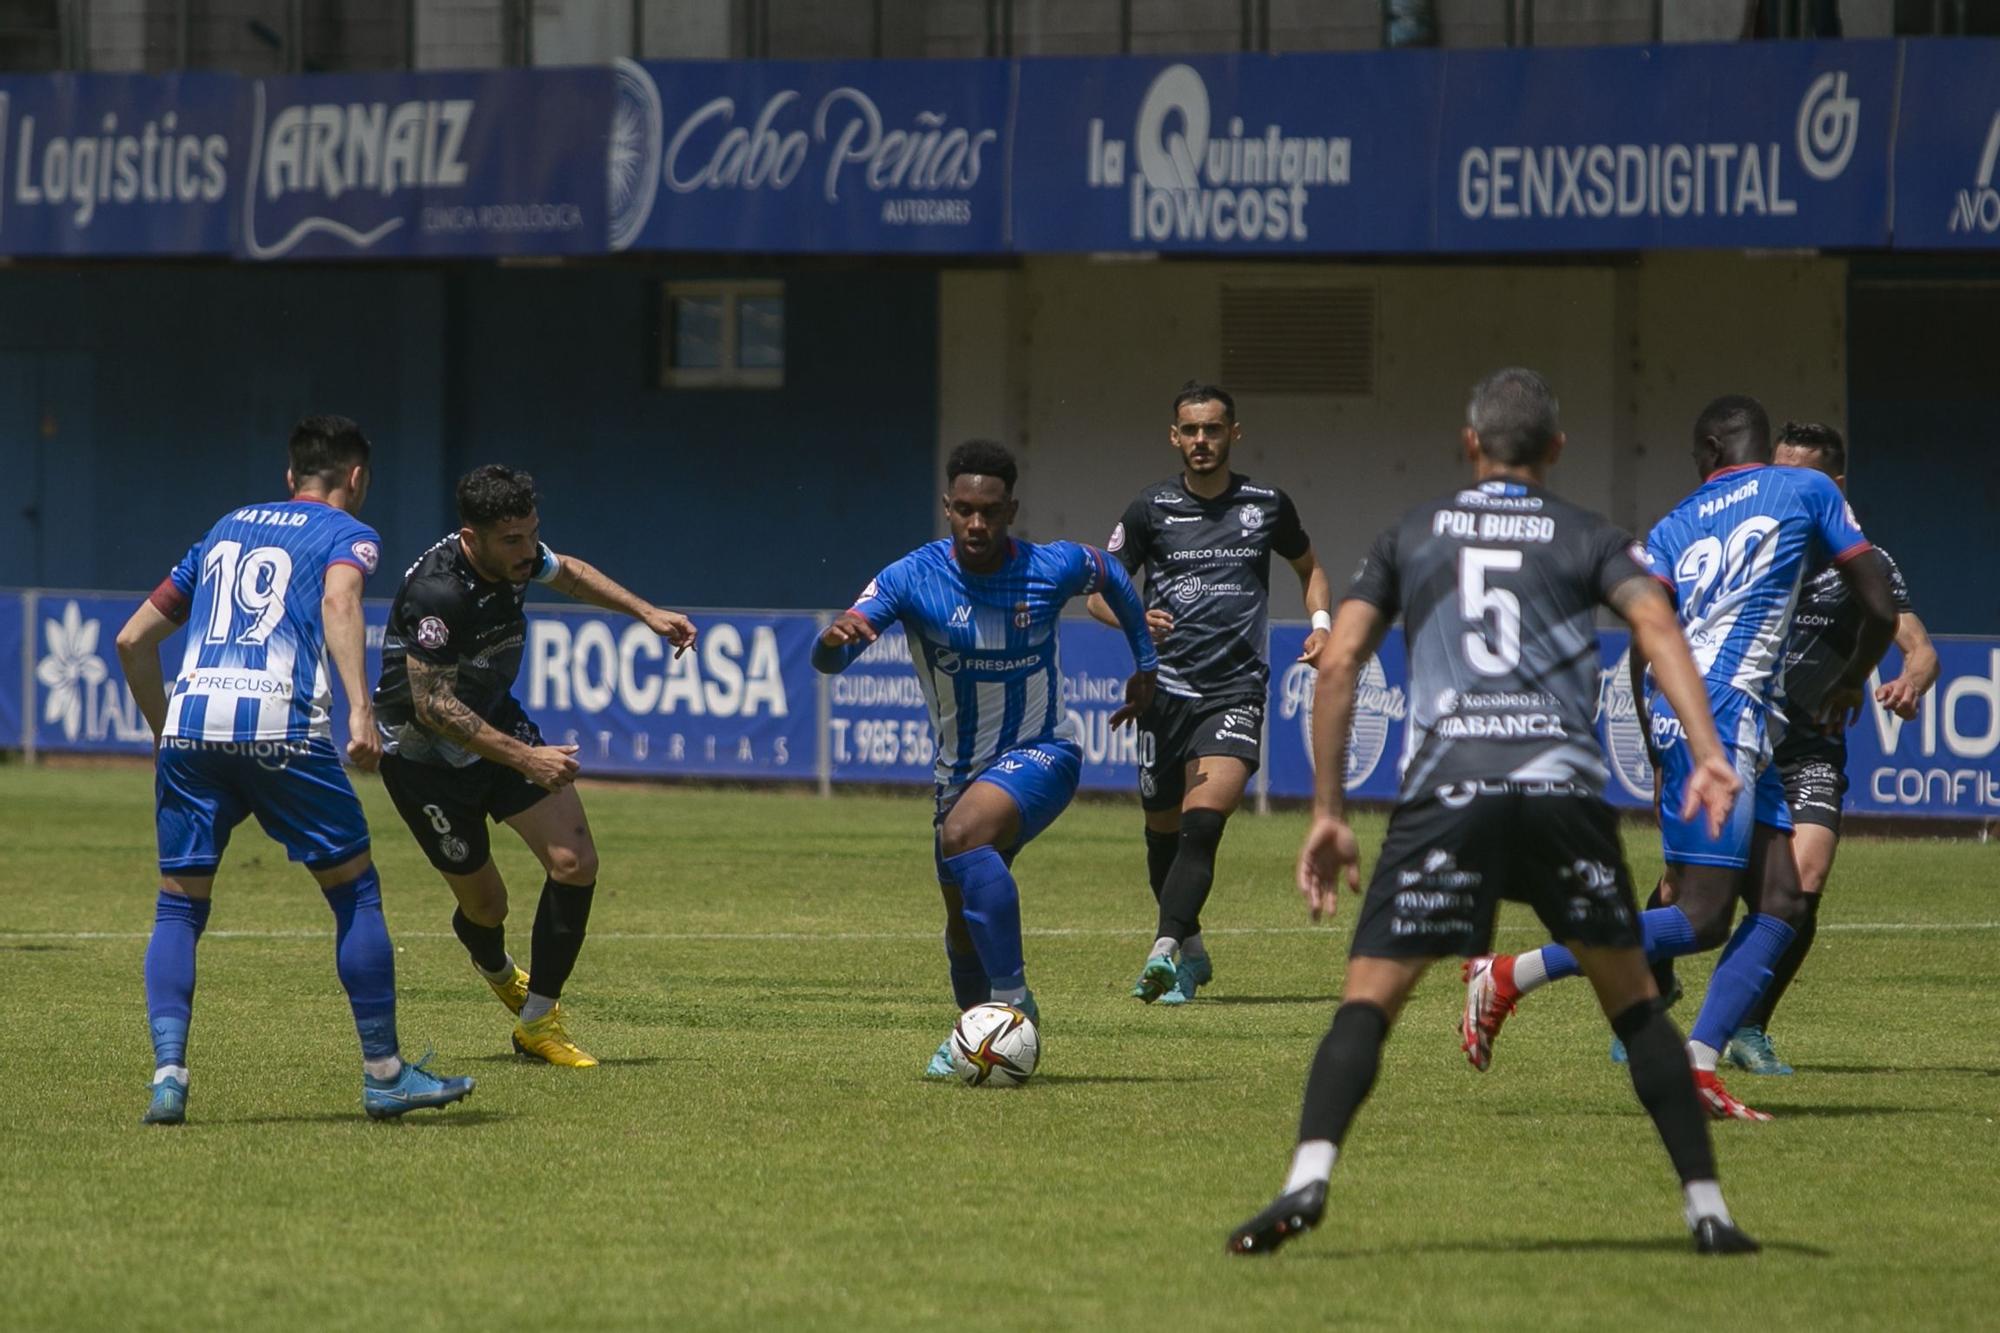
point(996, 1044)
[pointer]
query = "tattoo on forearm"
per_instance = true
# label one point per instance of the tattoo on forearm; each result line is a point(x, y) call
point(437, 707)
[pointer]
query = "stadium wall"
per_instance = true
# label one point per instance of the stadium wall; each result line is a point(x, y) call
point(137, 402)
point(1075, 361)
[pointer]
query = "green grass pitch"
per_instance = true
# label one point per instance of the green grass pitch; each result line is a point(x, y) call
point(764, 982)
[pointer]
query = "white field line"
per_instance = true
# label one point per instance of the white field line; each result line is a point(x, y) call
point(889, 936)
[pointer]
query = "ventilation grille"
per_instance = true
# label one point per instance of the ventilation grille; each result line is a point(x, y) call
point(1315, 340)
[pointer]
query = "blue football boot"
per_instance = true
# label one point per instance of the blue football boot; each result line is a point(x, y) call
point(1192, 973)
point(413, 1089)
point(170, 1100)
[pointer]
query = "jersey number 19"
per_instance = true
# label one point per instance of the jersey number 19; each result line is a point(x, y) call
point(253, 583)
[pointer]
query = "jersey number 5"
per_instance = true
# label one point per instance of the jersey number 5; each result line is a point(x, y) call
point(255, 583)
point(1493, 649)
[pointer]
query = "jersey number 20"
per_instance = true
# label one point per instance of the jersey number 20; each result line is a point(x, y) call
point(254, 583)
point(1493, 649)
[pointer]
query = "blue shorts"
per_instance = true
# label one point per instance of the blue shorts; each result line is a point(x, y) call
point(297, 790)
point(1740, 721)
point(1042, 780)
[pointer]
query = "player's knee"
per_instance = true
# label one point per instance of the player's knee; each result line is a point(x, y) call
point(956, 839)
point(1201, 831)
point(1711, 924)
point(573, 865)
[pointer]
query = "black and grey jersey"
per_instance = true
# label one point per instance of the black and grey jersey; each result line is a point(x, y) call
point(1208, 565)
point(1498, 586)
point(1826, 625)
point(446, 614)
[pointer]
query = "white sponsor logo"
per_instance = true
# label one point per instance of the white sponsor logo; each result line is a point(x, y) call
point(588, 665)
point(1376, 705)
point(82, 696)
point(149, 164)
point(1191, 184)
point(1958, 720)
point(922, 172)
point(432, 634)
point(634, 162)
point(1829, 122)
point(1622, 736)
point(1976, 209)
point(368, 553)
point(1183, 518)
point(1674, 180)
point(961, 616)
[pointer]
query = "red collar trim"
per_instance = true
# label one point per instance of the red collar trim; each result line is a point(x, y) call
point(1732, 469)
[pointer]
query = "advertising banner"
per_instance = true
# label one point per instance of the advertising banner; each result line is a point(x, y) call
point(1247, 154)
point(435, 164)
point(13, 607)
point(1629, 148)
point(1375, 741)
point(1947, 145)
point(80, 698)
point(1946, 760)
point(742, 703)
point(118, 164)
point(889, 156)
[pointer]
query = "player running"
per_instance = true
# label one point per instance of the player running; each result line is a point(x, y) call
point(1497, 587)
point(1205, 540)
point(980, 614)
point(1734, 554)
point(271, 592)
point(461, 749)
point(1812, 758)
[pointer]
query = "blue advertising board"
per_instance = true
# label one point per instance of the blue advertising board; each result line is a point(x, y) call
point(1629, 148)
point(895, 156)
point(13, 625)
point(118, 164)
point(1947, 146)
point(81, 702)
point(1243, 153)
point(1375, 741)
point(433, 164)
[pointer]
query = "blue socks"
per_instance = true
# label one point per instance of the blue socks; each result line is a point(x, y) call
point(1740, 978)
point(177, 924)
point(992, 909)
point(1665, 932)
point(366, 961)
point(968, 978)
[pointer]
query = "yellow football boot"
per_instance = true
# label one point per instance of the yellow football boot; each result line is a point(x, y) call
point(545, 1039)
point(512, 991)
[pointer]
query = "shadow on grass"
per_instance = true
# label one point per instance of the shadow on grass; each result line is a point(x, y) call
point(37, 947)
point(1986, 1071)
point(1568, 1245)
point(459, 1117)
point(1265, 999)
point(1125, 1078)
point(1786, 1111)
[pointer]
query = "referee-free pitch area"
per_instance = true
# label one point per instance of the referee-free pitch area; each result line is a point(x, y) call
point(764, 983)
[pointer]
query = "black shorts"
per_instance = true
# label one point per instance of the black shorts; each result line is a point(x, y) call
point(1176, 730)
point(1448, 862)
point(1813, 767)
point(447, 808)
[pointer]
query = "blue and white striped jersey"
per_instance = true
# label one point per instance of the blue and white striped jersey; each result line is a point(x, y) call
point(1734, 554)
point(984, 645)
point(255, 665)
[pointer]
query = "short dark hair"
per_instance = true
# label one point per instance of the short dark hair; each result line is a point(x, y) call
point(1515, 415)
point(325, 449)
point(1821, 439)
point(1740, 425)
point(1194, 391)
point(984, 458)
point(495, 492)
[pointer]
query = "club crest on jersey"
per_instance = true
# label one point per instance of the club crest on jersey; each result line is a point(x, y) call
point(1024, 616)
point(1250, 517)
point(368, 553)
point(1117, 542)
point(432, 634)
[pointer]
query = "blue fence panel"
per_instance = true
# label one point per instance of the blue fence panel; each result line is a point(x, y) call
point(13, 628)
point(742, 704)
point(118, 164)
point(900, 156)
point(386, 165)
point(1233, 153)
point(1755, 144)
point(1381, 717)
point(1947, 146)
